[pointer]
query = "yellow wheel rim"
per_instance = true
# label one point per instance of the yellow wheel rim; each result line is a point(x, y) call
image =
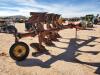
point(19, 51)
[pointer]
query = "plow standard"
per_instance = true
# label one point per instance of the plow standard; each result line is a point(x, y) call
point(46, 27)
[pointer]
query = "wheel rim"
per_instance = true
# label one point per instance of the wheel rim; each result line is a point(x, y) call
point(19, 51)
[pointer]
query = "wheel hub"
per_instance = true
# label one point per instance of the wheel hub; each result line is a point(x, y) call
point(19, 51)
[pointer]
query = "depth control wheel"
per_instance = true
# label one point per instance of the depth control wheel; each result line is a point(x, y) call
point(19, 51)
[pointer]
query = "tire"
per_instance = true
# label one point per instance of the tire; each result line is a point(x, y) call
point(19, 51)
point(84, 24)
point(11, 30)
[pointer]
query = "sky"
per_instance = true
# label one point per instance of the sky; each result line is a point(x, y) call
point(67, 8)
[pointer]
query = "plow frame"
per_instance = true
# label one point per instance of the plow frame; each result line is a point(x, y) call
point(39, 19)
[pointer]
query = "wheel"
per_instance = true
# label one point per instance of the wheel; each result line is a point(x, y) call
point(84, 24)
point(90, 25)
point(19, 51)
point(11, 30)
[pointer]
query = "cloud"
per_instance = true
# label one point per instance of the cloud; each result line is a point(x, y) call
point(23, 7)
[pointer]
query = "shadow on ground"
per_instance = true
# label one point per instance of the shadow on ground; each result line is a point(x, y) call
point(69, 56)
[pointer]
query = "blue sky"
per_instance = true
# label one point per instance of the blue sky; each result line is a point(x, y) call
point(67, 8)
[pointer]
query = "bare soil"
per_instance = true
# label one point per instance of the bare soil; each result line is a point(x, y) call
point(69, 56)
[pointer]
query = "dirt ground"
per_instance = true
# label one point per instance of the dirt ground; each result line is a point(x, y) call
point(69, 56)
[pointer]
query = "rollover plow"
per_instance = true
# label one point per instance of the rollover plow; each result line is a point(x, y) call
point(45, 26)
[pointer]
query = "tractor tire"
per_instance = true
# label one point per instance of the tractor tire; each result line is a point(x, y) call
point(84, 24)
point(11, 30)
point(19, 51)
